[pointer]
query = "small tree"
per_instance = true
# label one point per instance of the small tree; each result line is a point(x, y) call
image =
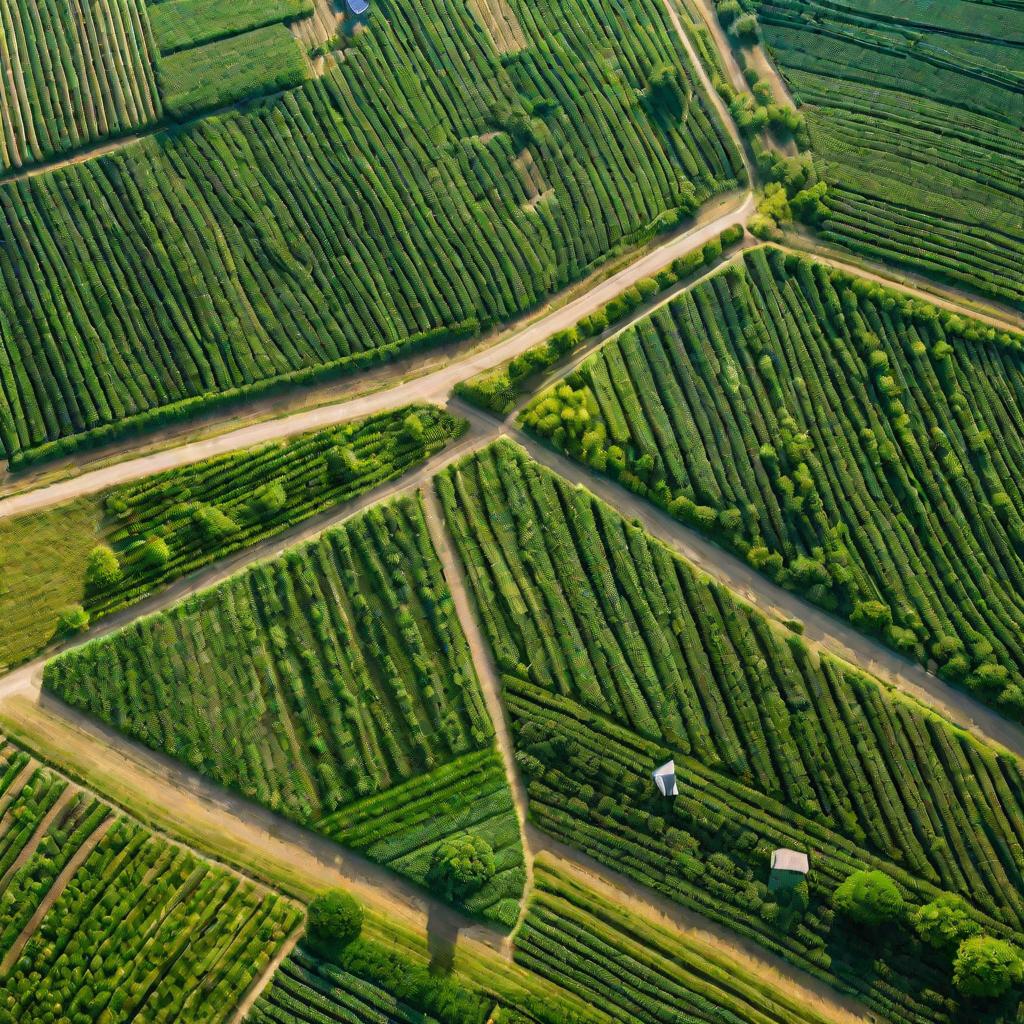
point(154, 554)
point(71, 620)
point(333, 920)
point(412, 428)
point(945, 922)
point(213, 524)
point(103, 569)
point(269, 499)
point(985, 966)
point(343, 465)
point(869, 897)
point(461, 865)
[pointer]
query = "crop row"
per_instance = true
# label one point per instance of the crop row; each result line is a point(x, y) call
point(212, 508)
point(594, 623)
point(334, 672)
point(73, 73)
point(643, 973)
point(856, 446)
point(343, 222)
point(140, 928)
point(917, 124)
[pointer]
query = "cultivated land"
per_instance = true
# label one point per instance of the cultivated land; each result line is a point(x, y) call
point(381, 646)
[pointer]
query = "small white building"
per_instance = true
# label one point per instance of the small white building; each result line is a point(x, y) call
point(665, 779)
point(790, 860)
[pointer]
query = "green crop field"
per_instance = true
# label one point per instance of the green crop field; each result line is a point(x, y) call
point(219, 73)
point(347, 221)
point(72, 74)
point(167, 525)
point(333, 673)
point(858, 447)
point(617, 655)
point(100, 920)
point(181, 24)
point(915, 112)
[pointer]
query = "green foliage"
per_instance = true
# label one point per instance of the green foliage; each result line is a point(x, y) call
point(103, 568)
point(839, 420)
point(71, 620)
point(333, 920)
point(269, 500)
point(461, 865)
point(214, 525)
point(181, 24)
point(945, 922)
point(869, 897)
point(987, 967)
point(261, 249)
point(154, 554)
point(72, 79)
point(220, 73)
point(359, 619)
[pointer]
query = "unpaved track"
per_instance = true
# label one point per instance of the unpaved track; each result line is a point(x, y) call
point(432, 387)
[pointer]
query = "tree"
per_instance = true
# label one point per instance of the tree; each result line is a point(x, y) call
point(869, 897)
point(103, 569)
point(985, 966)
point(412, 428)
point(269, 499)
point(154, 554)
point(73, 619)
point(333, 920)
point(343, 465)
point(214, 524)
point(945, 922)
point(461, 865)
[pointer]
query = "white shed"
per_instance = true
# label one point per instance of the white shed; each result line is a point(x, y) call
point(790, 860)
point(665, 779)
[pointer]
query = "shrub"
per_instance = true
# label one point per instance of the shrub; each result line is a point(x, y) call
point(333, 920)
point(869, 897)
point(103, 569)
point(154, 554)
point(412, 428)
point(71, 620)
point(945, 922)
point(213, 524)
point(745, 28)
point(461, 865)
point(269, 500)
point(343, 464)
point(987, 967)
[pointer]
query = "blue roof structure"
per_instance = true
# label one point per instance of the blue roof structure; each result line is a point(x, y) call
point(358, 6)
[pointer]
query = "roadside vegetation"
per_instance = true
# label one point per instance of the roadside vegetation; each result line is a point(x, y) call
point(857, 446)
point(69, 566)
point(617, 656)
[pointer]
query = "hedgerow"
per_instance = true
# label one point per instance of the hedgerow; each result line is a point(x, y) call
point(372, 210)
point(498, 389)
point(855, 445)
point(617, 655)
point(330, 675)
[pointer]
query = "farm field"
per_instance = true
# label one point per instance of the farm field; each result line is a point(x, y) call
point(616, 656)
point(858, 447)
point(346, 221)
point(332, 675)
point(183, 24)
point(915, 113)
point(103, 920)
point(107, 551)
point(73, 74)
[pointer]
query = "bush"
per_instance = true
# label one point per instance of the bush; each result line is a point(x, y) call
point(461, 865)
point(945, 922)
point(412, 428)
point(745, 28)
point(154, 554)
point(986, 967)
point(343, 464)
point(333, 920)
point(71, 620)
point(103, 569)
point(869, 897)
point(269, 500)
point(213, 524)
